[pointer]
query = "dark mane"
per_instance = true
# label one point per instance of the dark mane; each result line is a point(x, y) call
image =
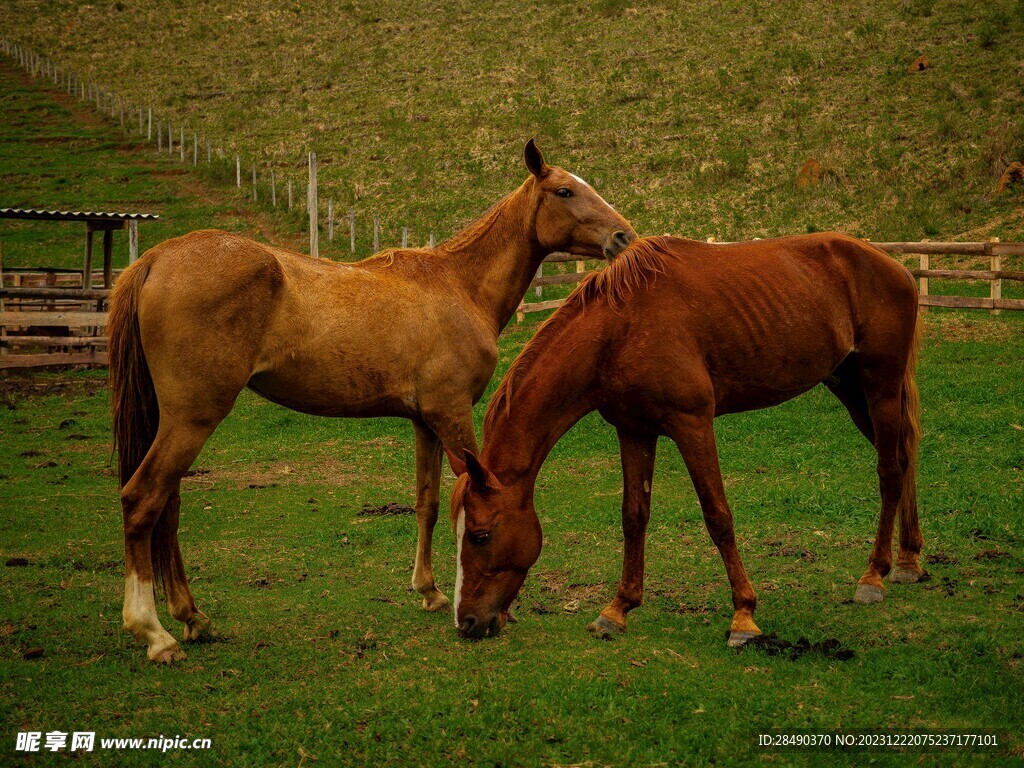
point(632, 270)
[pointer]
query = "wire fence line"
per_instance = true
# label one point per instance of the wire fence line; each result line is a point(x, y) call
point(169, 134)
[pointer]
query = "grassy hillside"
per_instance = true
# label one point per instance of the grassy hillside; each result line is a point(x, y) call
point(692, 118)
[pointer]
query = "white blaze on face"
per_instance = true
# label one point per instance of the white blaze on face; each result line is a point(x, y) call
point(460, 534)
point(584, 183)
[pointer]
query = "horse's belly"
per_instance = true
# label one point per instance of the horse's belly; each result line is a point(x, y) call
point(356, 396)
point(765, 381)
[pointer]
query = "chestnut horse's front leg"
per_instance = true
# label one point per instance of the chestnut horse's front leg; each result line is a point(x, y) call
point(637, 473)
point(695, 436)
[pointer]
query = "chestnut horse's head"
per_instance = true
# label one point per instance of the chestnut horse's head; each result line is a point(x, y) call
point(498, 538)
point(571, 216)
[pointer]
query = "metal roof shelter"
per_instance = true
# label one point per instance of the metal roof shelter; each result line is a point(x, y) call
point(95, 221)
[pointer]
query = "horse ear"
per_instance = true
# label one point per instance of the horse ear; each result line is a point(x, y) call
point(479, 475)
point(457, 464)
point(535, 160)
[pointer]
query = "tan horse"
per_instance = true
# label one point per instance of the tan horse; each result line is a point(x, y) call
point(410, 333)
point(666, 338)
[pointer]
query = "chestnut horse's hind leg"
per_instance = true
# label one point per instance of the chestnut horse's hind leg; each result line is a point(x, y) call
point(637, 473)
point(694, 434)
point(148, 547)
point(428, 482)
point(846, 386)
point(885, 408)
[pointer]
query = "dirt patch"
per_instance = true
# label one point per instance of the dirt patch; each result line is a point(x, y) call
point(940, 558)
point(774, 645)
point(991, 554)
point(390, 509)
point(169, 173)
point(956, 328)
point(15, 387)
point(326, 471)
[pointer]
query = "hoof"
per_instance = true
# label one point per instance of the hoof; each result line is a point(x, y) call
point(604, 628)
point(166, 655)
point(739, 638)
point(867, 594)
point(433, 602)
point(511, 618)
point(905, 575)
point(197, 626)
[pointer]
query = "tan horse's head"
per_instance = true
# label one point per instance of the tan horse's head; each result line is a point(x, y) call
point(498, 539)
point(571, 216)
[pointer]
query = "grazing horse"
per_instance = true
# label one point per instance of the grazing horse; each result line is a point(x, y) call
point(670, 335)
point(409, 333)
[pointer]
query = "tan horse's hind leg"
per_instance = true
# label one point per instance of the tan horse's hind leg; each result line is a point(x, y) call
point(637, 473)
point(144, 499)
point(179, 597)
point(428, 482)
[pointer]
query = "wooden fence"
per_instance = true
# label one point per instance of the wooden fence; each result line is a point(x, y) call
point(49, 318)
point(994, 253)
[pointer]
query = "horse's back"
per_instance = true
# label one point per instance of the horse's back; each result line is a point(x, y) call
point(754, 324)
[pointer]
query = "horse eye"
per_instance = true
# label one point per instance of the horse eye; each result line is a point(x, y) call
point(563, 192)
point(480, 538)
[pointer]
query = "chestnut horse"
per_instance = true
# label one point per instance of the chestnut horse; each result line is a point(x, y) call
point(670, 335)
point(409, 333)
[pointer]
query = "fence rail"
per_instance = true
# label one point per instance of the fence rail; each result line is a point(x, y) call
point(995, 251)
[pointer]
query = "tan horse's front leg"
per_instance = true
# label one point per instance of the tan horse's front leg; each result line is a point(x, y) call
point(451, 426)
point(428, 481)
point(637, 473)
point(695, 436)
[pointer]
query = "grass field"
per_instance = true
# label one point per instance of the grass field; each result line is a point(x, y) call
point(320, 654)
point(320, 648)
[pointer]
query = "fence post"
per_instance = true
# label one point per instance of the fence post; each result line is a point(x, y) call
point(254, 182)
point(133, 241)
point(405, 237)
point(159, 135)
point(195, 149)
point(539, 290)
point(290, 197)
point(352, 229)
point(923, 290)
point(273, 189)
point(181, 143)
point(238, 172)
point(376, 234)
point(996, 289)
point(170, 138)
point(311, 205)
point(149, 126)
point(209, 153)
point(330, 220)
point(431, 241)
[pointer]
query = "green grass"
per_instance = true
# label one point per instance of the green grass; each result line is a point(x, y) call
point(320, 645)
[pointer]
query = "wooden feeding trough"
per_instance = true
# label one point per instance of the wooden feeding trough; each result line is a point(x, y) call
point(54, 316)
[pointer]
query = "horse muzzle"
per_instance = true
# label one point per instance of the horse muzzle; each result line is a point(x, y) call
point(473, 628)
point(617, 242)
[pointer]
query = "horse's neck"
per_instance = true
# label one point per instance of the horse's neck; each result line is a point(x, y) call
point(553, 391)
point(496, 265)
